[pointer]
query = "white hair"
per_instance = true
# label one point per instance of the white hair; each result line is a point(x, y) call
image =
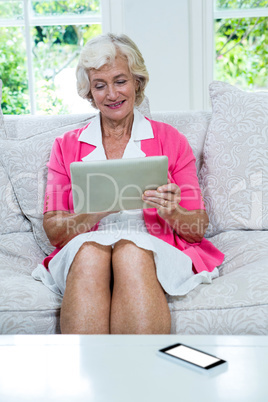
point(103, 50)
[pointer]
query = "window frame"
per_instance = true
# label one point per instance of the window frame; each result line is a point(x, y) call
point(201, 52)
point(241, 13)
point(202, 46)
point(29, 20)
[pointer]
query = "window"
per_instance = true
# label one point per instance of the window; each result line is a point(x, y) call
point(241, 42)
point(39, 48)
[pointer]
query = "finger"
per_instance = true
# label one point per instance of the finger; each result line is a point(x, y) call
point(163, 191)
point(170, 187)
point(161, 198)
point(153, 204)
point(157, 202)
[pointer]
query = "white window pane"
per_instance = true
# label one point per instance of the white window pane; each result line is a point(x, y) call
point(56, 51)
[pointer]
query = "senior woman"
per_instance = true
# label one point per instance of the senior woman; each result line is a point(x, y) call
point(114, 270)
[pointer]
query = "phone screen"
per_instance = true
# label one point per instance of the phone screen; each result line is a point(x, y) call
point(196, 357)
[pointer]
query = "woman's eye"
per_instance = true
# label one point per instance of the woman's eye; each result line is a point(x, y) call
point(121, 82)
point(99, 86)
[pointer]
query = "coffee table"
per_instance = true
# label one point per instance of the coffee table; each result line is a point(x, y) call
point(118, 368)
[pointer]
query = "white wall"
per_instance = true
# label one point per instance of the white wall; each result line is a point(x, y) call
point(172, 37)
point(159, 28)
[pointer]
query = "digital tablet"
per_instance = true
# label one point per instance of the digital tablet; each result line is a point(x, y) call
point(116, 184)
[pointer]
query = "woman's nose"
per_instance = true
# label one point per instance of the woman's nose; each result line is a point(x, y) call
point(112, 92)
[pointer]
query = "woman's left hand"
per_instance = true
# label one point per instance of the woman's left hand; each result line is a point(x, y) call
point(166, 199)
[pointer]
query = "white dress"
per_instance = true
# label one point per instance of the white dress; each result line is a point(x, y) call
point(173, 267)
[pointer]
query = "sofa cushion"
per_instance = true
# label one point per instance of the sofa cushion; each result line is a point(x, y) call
point(193, 125)
point(234, 175)
point(11, 216)
point(2, 126)
point(144, 107)
point(240, 248)
point(26, 306)
point(236, 302)
point(19, 253)
point(26, 126)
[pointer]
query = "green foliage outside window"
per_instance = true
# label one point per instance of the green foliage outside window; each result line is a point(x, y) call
point(11, 9)
point(54, 48)
point(65, 7)
point(239, 4)
point(15, 99)
point(242, 47)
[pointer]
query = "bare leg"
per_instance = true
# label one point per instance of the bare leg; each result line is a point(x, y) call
point(86, 303)
point(139, 305)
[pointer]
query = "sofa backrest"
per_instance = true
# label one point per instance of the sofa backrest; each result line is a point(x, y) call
point(192, 124)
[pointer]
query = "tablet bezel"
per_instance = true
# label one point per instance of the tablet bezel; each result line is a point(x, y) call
point(146, 173)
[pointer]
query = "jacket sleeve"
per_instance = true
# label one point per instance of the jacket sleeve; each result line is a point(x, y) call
point(58, 182)
point(183, 171)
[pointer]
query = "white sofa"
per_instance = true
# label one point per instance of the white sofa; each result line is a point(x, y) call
point(231, 146)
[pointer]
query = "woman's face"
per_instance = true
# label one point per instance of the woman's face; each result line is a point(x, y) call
point(113, 88)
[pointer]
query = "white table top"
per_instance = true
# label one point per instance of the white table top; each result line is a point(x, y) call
point(118, 368)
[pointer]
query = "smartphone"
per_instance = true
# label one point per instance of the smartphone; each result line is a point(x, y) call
point(192, 357)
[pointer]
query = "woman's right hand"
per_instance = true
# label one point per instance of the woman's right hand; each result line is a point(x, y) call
point(63, 226)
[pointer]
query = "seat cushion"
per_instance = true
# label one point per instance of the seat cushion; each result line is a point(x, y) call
point(236, 302)
point(26, 305)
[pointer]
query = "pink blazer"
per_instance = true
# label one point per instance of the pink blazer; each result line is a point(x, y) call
point(182, 171)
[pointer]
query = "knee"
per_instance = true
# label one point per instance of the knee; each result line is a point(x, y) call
point(132, 265)
point(126, 252)
point(92, 264)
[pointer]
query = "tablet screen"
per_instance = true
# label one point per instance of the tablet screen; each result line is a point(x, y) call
point(116, 184)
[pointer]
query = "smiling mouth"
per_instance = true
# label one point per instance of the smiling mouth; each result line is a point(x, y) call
point(116, 105)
